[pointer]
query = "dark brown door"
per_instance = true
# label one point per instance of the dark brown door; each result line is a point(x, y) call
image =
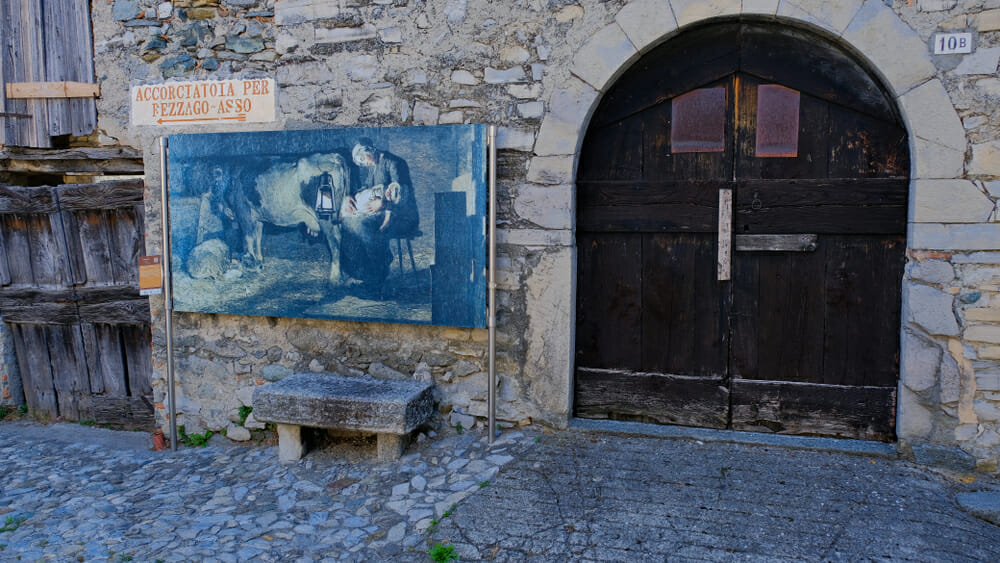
point(796, 330)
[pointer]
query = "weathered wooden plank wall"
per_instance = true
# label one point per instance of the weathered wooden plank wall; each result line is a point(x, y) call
point(45, 41)
point(68, 270)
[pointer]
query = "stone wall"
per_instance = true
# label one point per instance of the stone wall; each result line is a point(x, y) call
point(536, 68)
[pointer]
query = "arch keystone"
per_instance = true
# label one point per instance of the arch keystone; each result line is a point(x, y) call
point(766, 7)
point(690, 11)
point(832, 16)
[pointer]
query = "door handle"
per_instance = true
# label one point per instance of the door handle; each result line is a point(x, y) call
point(725, 234)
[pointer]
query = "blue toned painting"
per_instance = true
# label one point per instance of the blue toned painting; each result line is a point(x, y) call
point(364, 224)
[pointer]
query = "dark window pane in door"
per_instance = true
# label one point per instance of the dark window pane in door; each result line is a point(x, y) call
point(698, 121)
point(777, 121)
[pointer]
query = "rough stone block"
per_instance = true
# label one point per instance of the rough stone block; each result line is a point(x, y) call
point(935, 236)
point(983, 314)
point(504, 76)
point(983, 333)
point(936, 5)
point(535, 237)
point(984, 505)
point(290, 12)
point(947, 457)
point(931, 115)
point(551, 170)
point(931, 309)
point(985, 159)
point(892, 46)
point(345, 34)
point(549, 303)
point(834, 16)
point(949, 201)
point(932, 271)
point(920, 361)
point(290, 445)
point(345, 403)
point(546, 206)
point(914, 418)
point(425, 114)
point(931, 160)
point(987, 410)
point(988, 21)
point(602, 56)
point(390, 446)
point(950, 386)
point(531, 110)
point(690, 11)
point(645, 22)
point(463, 77)
point(983, 61)
point(511, 138)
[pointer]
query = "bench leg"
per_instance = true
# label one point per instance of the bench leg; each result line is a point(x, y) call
point(290, 446)
point(391, 446)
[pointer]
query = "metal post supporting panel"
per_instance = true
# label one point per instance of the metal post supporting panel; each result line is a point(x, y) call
point(492, 315)
point(168, 293)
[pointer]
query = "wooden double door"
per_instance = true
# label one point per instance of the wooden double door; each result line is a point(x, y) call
point(741, 219)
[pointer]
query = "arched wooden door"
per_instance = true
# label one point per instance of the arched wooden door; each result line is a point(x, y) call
point(801, 335)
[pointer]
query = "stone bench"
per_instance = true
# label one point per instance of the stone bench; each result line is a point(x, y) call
point(389, 408)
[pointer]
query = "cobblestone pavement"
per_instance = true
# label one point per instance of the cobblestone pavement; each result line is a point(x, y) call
point(585, 496)
point(81, 494)
point(71, 499)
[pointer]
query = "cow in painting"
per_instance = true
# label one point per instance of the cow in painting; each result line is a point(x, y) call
point(281, 196)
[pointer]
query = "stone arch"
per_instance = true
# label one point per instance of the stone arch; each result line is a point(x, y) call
point(872, 30)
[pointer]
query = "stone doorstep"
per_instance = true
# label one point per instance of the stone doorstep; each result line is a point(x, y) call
point(391, 409)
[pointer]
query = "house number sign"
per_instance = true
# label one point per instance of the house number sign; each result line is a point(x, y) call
point(952, 43)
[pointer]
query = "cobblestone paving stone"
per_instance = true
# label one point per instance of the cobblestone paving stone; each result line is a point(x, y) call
point(581, 496)
point(567, 496)
point(76, 501)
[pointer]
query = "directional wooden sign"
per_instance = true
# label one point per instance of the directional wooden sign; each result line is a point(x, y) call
point(207, 101)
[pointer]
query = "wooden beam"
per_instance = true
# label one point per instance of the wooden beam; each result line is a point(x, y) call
point(84, 160)
point(776, 243)
point(63, 89)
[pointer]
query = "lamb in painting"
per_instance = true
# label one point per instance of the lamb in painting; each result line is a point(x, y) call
point(279, 196)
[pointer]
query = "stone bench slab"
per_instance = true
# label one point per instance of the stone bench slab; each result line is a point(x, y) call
point(389, 408)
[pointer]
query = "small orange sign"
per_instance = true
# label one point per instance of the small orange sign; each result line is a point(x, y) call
point(150, 275)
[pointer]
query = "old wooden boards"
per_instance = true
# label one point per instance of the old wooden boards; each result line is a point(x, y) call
point(45, 41)
point(804, 336)
point(69, 291)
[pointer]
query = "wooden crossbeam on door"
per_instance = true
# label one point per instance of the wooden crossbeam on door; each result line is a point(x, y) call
point(63, 89)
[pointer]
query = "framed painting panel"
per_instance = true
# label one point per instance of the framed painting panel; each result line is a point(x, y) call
point(362, 224)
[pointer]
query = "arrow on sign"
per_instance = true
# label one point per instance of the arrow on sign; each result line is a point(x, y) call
point(242, 117)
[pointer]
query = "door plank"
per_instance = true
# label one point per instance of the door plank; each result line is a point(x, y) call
point(32, 351)
point(139, 359)
point(657, 397)
point(609, 301)
point(864, 413)
point(69, 369)
point(682, 306)
point(862, 303)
